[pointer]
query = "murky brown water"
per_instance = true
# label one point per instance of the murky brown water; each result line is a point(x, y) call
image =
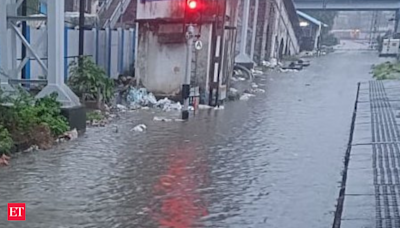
point(273, 161)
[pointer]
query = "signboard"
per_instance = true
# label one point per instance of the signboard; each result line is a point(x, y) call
point(198, 45)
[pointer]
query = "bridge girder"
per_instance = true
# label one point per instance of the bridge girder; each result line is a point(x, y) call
point(348, 5)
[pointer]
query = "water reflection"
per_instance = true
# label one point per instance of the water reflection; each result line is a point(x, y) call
point(178, 202)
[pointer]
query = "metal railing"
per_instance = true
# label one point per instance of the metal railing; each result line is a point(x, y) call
point(119, 10)
point(103, 7)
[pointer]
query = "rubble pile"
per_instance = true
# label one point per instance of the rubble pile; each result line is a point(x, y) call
point(142, 99)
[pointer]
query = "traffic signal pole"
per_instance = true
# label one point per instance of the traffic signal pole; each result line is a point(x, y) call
point(186, 84)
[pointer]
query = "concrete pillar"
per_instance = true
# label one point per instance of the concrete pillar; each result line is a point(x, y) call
point(243, 58)
point(253, 38)
point(396, 21)
point(55, 76)
point(55, 29)
point(4, 57)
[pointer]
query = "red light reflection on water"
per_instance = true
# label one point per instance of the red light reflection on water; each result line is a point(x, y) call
point(178, 204)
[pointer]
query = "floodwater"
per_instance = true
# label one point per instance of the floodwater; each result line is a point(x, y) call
point(273, 161)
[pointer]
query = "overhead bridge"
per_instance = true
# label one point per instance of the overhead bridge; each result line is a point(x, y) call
point(348, 5)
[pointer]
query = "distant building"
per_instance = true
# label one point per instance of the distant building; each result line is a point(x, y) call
point(311, 28)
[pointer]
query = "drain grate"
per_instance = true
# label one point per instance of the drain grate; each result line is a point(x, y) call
point(386, 157)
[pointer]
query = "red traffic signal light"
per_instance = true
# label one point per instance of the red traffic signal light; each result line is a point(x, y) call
point(193, 11)
point(192, 4)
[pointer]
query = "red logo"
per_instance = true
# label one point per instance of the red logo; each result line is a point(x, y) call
point(16, 212)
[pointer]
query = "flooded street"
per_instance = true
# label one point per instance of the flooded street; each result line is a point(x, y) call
point(273, 161)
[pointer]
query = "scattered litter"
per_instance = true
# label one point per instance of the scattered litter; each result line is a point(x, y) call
point(201, 106)
point(71, 135)
point(168, 105)
point(273, 62)
point(121, 107)
point(257, 72)
point(161, 119)
point(145, 108)
point(139, 128)
point(257, 90)
point(67, 136)
point(241, 79)
point(266, 64)
point(140, 97)
point(254, 85)
point(287, 70)
point(233, 90)
point(246, 96)
point(4, 159)
point(31, 149)
point(219, 107)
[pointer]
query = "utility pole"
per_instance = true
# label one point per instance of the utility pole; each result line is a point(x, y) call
point(81, 30)
point(186, 84)
point(24, 31)
point(374, 29)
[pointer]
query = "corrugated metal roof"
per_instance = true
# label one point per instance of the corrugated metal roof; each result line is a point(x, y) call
point(310, 19)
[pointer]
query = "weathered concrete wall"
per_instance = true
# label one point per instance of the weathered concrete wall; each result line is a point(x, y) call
point(273, 26)
point(286, 42)
point(262, 31)
point(160, 10)
point(160, 67)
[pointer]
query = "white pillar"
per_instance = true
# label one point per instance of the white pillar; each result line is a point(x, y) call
point(12, 11)
point(55, 30)
point(55, 46)
point(4, 57)
point(243, 58)
point(253, 38)
point(245, 26)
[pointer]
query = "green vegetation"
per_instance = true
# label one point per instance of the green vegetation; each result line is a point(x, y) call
point(94, 116)
point(25, 121)
point(386, 70)
point(6, 142)
point(90, 82)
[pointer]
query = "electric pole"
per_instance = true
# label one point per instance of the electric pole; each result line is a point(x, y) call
point(81, 30)
point(188, 72)
point(24, 31)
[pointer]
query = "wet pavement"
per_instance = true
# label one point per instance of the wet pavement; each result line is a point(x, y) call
point(273, 161)
point(372, 196)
